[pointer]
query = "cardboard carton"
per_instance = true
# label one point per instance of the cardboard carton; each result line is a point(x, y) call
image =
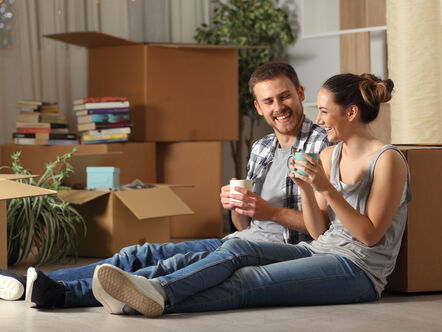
point(10, 189)
point(419, 267)
point(134, 159)
point(198, 163)
point(122, 218)
point(177, 92)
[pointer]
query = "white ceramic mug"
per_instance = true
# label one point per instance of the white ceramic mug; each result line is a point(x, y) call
point(246, 183)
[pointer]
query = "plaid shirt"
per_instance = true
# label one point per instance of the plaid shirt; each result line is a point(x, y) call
point(311, 138)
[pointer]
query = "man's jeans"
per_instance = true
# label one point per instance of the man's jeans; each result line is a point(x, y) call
point(249, 274)
point(152, 259)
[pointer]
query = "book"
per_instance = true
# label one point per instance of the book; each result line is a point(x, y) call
point(114, 104)
point(32, 125)
point(58, 125)
point(105, 141)
point(123, 130)
point(45, 136)
point(102, 111)
point(34, 130)
point(28, 109)
point(49, 110)
point(53, 118)
point(61, 141)
point(60, 130)
point(39, 136)
point(28, 103)
point(103, 118)
point(29, 141)
point(102, 125)
point(26, 141)
point(86, 100)
point(32, 117)
point(102, 137)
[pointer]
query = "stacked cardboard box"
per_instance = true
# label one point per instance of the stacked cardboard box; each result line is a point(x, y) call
point(185, 98)
point(419, 267)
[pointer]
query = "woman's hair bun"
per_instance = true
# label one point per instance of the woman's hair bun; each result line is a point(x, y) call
point(374, 90)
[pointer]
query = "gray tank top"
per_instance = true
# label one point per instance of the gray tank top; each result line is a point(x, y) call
point(376, 261)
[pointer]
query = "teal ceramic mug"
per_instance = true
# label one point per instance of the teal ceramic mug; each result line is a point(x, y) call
point(298, 156)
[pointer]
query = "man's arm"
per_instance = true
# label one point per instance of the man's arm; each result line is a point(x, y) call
point(251, 205)
point(240, 221)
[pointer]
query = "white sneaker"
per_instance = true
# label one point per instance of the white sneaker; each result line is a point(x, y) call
point(10, 289)
point(114, 288)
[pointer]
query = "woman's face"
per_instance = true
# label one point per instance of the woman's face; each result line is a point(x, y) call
point(331, 116)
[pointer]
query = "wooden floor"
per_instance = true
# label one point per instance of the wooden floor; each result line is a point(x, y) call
point(394, 312)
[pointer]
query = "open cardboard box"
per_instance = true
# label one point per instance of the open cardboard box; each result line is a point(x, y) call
point(121, 218)
point(10, 189)
point(161, 80)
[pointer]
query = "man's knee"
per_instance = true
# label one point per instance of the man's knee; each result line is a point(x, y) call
point(236, 246)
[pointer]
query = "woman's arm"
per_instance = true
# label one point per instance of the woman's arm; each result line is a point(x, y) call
point(383, 202)
point(314, 205)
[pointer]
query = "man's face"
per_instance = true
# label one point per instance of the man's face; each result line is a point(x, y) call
point(280, 103)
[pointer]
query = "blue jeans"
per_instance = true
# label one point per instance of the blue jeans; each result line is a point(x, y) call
point(150, 260)
point(249, 274)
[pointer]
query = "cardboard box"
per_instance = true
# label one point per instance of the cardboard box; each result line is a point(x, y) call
point(419, 265)
point(177, 92)
point(123, 218)
point(10, 189)
point(200, 164)
point(134, 159)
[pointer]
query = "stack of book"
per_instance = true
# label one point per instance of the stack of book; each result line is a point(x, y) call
point(103, 119)
point(40, 122)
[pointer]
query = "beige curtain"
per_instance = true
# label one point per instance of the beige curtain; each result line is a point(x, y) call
point(39, 68)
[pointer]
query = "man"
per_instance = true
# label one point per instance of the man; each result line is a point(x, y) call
point(270, 213)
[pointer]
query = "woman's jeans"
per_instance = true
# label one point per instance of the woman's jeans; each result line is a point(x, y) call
point(249, 274)
point(150, 260)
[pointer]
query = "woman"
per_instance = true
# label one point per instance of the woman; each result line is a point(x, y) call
point(354, 205)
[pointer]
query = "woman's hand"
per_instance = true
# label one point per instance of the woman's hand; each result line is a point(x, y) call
point(316, 174)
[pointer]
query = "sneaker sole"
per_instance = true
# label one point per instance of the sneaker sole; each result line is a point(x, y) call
point(110, 304)
point(120, 287)
point(10, 288)
point(31, 276)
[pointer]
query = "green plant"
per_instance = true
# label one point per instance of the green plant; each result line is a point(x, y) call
point(269, 23)
point(45, 222)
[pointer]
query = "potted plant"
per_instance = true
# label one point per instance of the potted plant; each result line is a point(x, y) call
point(46, 223)
point(250, 23)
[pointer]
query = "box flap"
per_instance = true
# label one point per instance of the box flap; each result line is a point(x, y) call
point(13, 189)
point(91, 39)
point(16, 176)
point(205, 46)
point(80, 196)
point(174, 185)
point(153, 202)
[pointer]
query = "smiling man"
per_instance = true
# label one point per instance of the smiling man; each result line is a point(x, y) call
point(275, 203)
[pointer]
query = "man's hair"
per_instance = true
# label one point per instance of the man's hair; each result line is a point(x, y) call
point(271, 70)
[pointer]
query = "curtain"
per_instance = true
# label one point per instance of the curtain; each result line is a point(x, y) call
point(35, 67)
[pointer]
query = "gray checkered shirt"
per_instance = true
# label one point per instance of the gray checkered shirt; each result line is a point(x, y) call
point(311, 138)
